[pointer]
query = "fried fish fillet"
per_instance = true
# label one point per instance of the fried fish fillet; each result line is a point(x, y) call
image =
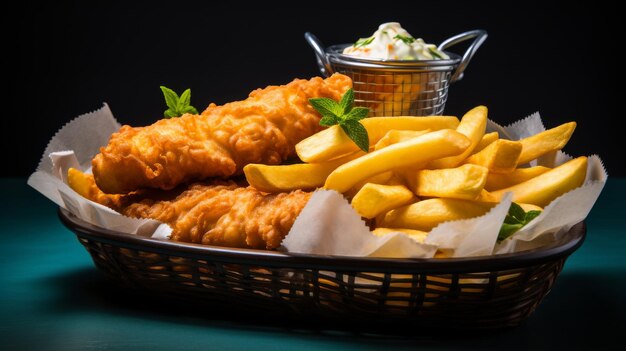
point(222, 213)
point(264, 128)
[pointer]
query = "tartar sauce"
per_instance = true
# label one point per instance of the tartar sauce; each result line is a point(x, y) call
point(392, 42)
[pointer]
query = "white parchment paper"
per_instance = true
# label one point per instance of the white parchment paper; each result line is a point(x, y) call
point(328, 225)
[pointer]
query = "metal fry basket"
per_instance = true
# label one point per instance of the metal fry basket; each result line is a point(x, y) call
point(397, 87)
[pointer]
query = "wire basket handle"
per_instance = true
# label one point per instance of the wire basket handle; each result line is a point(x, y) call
point(320, 54)
point(480, 36)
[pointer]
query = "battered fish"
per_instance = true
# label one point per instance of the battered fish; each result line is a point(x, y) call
point(221, 213)
point(264, 128)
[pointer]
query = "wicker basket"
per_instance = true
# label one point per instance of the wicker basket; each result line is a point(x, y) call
point(464, 293)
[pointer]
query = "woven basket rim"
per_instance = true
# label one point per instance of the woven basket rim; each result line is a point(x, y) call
point(571, 242)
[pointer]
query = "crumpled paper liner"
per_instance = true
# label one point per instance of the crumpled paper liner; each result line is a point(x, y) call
point(328, 225)
point(73, 146)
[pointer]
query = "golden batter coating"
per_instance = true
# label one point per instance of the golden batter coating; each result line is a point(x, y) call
point(221, 213)
point(264, 128)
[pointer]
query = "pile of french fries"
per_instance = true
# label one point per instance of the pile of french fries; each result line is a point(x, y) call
point(423, 171)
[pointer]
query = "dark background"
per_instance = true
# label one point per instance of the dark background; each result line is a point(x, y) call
point(65, 59)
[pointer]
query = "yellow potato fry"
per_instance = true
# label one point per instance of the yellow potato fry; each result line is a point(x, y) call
point(85, 185)
point(333, 142)
point(546, 187)
point(485, 141)
point(544, 142)
point(427, 147)
point(416, 235)
point(427, 214)
point(395, 136)
point(381, 178)
point(374, 199)
point(464, 182)
point(275, 179)
point(499, 157)
point(473, 126)
point(79, 182)
point(486, 196)
point(497, 181)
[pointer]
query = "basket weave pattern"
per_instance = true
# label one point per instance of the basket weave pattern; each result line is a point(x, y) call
point(454, 300)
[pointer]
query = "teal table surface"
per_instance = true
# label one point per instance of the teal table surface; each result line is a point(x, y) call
point(52, 298)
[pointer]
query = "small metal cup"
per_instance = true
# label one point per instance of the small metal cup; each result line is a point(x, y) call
point(399, 87)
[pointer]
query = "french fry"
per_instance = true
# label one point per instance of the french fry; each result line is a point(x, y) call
point(497, 181)
point(473, 126)
point(282, 178)
point(80, 182)
point(85, 185)
point(374, 199)
point(427, 214)
point(487, 139)
point(395, 136)
point(550, 140)
point(427, 147)
point(381, 178)
point(546, 187)
point(416, 235)
point(499, 157)
point(333, 142)
point(464, 182)
point(486, 196)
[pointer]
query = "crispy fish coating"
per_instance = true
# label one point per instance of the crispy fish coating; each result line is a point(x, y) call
point(221, 213)
point(264, 128)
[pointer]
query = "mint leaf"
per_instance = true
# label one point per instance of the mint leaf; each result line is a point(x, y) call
point(171, 98)
point(515, 219)
point(357, 133)
point(344, 115)
point(517, 212)
point(329, 120)
point(357, 114)
point(530, 215)
point(184, 100)
point(190, 109)
point(347, 100)
point(169, 114)
point(507, 230)
point(326, 106)
point(177, 106)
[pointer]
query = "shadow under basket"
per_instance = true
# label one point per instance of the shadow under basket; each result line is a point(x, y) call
point(460, 293)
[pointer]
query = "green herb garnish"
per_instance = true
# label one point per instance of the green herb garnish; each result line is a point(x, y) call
point(515, 220)
point(346, 116)
point(408, 40)
point(177, 106)
point(435, 53)
point(363, 42)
